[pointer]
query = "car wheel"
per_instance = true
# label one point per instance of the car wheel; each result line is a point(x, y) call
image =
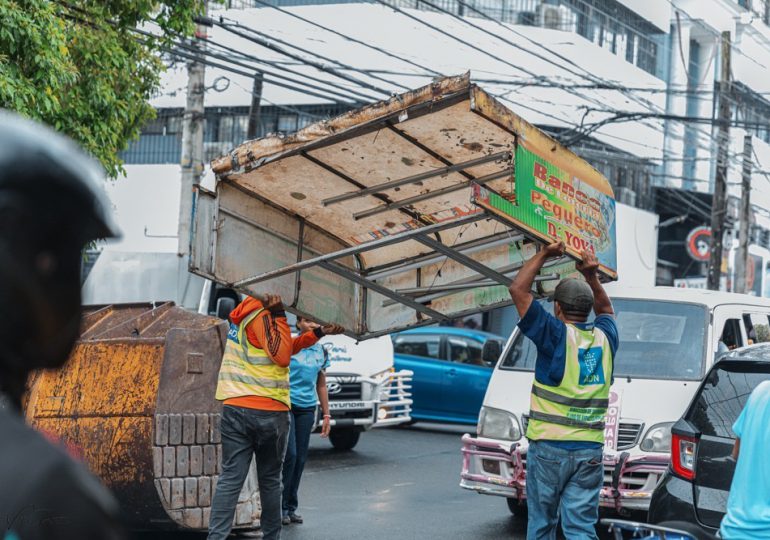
point(517, 508)
point(344, 439)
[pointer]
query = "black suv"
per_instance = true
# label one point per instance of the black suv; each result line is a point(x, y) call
point(697, 484)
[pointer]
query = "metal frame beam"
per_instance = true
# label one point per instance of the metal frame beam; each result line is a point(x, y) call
point(339, 174)
point(421, 261)
point(418, 177)
point(374, 244)
point(463, 259)
point(384, 291)
point(428, 150)
point(431, 194)
point(463, 286)
point(473, 280)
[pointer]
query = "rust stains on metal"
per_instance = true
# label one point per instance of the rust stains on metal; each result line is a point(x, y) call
point(131, 364)
point(252, 151)
point(544, 145)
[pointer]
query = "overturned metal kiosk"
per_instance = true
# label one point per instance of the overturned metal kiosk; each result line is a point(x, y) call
point(403, 213)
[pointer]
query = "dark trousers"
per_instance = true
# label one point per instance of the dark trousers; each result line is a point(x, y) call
point(247, 433)
point(302, 420)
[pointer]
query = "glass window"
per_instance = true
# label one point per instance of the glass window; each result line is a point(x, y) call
point(731, 334)
point(225, 128)
point(465, 351)
point(757, 328)
point(240, 127)
point(287, 123)
point(418, 345)
point(304, 120)
point(174, 124)
point(723, 397)
point(652, 334)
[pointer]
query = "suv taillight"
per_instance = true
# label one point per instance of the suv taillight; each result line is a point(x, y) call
point(683, 451)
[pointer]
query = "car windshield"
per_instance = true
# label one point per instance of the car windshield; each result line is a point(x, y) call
point(723, 396)
point(658, 340)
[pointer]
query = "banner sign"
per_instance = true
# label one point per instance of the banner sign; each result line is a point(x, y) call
point(552, 203)
point(612, 423)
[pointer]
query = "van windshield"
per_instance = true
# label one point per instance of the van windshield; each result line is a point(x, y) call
point(658, 340)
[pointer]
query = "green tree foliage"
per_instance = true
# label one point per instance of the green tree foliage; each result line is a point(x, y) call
point(79, 66)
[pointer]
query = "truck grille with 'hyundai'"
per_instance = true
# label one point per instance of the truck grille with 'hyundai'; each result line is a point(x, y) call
point(343, 391)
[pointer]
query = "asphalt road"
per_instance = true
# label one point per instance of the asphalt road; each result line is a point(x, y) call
point(400, 483)
point(397, 483)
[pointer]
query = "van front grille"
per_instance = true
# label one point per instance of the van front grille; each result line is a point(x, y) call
point(628, 432)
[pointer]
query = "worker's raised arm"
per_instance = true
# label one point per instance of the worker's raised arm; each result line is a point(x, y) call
point(522, 284)
point(311, 337)
point(589, 267)
point(273, 332)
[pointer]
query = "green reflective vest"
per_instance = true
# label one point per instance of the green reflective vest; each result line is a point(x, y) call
point(575, 410)
point(247, 370)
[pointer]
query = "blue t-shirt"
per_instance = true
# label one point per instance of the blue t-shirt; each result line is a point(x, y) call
point(303, 374)
point(549, 335)
point(748, 505)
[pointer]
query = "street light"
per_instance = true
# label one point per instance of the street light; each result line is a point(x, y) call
point(673, 221)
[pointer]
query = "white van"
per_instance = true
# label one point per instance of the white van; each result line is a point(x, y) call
point(669, 337)
point(364, 389)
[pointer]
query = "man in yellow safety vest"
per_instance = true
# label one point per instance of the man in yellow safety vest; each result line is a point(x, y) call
point(254, 385)
point(569, 397)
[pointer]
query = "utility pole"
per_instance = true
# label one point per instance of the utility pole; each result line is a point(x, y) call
point(192, 139)
point(742, 259)
point(719, 206)
point(254, 109)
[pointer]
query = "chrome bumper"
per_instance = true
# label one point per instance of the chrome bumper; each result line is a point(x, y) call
point(493, 467)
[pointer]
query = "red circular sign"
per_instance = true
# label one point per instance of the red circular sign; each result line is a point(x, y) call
point(699, 244)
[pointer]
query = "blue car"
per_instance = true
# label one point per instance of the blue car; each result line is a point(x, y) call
point(451, 369)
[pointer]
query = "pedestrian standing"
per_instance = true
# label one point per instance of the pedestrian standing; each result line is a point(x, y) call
point(748, 505)
point(569, 397)
point(308, 386)
point(254, 385)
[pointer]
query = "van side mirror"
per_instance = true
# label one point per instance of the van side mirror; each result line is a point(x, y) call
point(224, 306)
point(491, 351)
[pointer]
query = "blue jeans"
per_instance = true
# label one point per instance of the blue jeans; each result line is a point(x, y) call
point(247, 433)
point(302, 420)
point(563, 482)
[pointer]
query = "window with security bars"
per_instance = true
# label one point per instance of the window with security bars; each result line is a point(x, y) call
point(224, 129)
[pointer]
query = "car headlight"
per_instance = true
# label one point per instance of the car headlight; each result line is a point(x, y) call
point(498, 424)
point(658, 438)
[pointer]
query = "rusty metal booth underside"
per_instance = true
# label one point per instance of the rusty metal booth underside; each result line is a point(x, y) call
point(367, 219)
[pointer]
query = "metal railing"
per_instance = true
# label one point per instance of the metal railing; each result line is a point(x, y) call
point(224, 129)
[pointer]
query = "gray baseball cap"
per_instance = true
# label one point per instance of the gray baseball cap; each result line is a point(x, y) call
point(574, 295)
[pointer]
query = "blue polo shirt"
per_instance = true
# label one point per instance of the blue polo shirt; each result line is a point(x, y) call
point(303, 374)
point(549, 335)
point(748, 505)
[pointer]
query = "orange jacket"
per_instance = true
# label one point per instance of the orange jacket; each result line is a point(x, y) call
point(271, 333)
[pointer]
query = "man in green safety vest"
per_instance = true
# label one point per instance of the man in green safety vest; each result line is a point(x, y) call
point(569, 399)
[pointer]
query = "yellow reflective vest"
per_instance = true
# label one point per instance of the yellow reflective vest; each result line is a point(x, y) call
point(575, 410)
point(247, 370)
